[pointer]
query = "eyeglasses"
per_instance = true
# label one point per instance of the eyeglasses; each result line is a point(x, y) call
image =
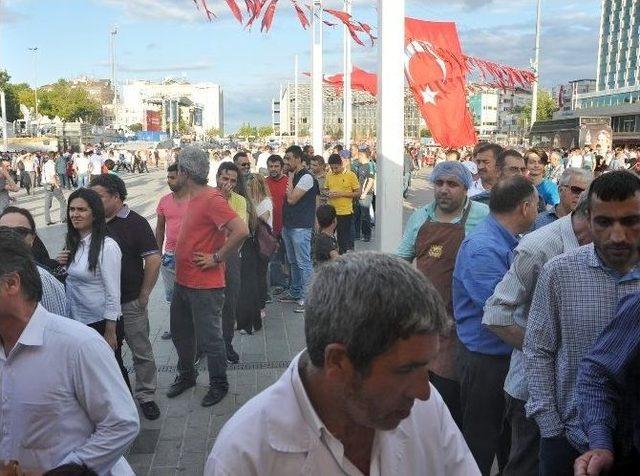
point(575, 190)
point(23, 231)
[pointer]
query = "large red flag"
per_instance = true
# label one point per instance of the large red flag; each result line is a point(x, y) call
point(437, 82)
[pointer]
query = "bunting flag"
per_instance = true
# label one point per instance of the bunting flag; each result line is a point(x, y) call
point(233, 6)
point(437, 83)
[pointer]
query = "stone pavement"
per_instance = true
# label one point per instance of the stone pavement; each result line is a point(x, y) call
point(180, 440)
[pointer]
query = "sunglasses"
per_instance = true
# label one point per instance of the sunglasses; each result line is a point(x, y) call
point(23, 231)
point(575, 190)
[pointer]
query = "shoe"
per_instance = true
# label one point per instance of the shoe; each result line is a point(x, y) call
point(244, 332)
point(51, 223)
point(232, 355)
point(366, 240)
point(180, 385)
point(214, 395)
point(166, 335)
point(269, 300)
point(300, 307)
point(150, 410)
point(287, 298)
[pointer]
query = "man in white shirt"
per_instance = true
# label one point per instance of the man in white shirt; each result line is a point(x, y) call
point(95, 164)
point(575, 158)
point(78, 410)
point(52, 188)
point(81, 165)
point(485, 157)
point(357, 400)
point(261, 163)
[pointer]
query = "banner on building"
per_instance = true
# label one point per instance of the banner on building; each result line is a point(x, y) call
point(153, 121)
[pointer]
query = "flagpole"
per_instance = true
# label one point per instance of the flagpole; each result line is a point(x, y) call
point(295, 104)
point(347, 106)
point(316, 78)
point(536, 66)
point(390, 125)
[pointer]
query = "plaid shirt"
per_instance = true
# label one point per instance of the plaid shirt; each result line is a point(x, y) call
point(575, 298)
point(53, 294)
point(510, 302)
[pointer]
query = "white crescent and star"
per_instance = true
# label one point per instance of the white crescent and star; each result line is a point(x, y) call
point(419, 46)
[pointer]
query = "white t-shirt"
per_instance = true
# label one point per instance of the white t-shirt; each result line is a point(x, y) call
point(264, 206)
point(81, 162)
point(49, 172)
point(262, 161)
point(575, 161)
point(96, 164)
point(305, 183)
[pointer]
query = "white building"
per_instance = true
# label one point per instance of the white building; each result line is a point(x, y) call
point(201, 104)
point(484, 108)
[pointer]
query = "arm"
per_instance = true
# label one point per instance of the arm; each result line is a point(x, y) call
point(602, 374)
point(103, 395)
point(515, 290)
point(407, 248)
point(294, 194)
point(237, 232)
point(481, 279)
point(160, 224)
point(111, 263)
point(152, 264)
point(10, 185)
point(540, 348)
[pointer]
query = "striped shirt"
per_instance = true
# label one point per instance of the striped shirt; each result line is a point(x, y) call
point(575, 298)
point(53, 295)
point(510, 302)
point(608, 381)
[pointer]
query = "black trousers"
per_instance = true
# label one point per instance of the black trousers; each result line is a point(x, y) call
point(482, 402)
point(525, 440)
point(343, 232)
point(450, 392)
point(557, 456)
point(100, 326)
point(233, 279)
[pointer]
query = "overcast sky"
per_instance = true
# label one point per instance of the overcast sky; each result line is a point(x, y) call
point(159, 38)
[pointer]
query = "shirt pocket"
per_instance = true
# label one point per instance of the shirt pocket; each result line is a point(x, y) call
point(41, 420)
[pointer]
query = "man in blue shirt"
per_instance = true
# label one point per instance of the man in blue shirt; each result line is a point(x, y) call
point(608, 388)
point(483, 359)
point(572, 183)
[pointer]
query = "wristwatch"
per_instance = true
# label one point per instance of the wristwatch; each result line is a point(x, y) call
point(216, 258)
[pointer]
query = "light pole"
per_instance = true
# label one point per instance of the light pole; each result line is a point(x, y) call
point(34, 50)
point(5, 133)
point(296, 118)
point(390, 127)
point(114, 83)
point(316, 81)
point(536, 66)
point(347, 106)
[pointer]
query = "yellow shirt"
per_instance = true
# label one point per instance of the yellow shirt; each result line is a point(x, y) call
point(239, 205)
point(345, 181)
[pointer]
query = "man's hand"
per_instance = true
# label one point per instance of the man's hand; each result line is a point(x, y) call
point(204, 261)
point(593, 463)
point(290, 183)
point(63, 257)
point(143, 300)
point(110, 334)
point(226, 188)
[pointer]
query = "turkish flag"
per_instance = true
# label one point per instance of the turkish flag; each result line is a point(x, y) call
point(361, 80)
point(438, 81)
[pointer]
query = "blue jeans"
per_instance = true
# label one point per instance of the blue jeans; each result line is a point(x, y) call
point(168, 272)
point(297, 242)
point(83, 180)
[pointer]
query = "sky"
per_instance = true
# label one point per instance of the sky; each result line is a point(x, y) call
point(161, 38)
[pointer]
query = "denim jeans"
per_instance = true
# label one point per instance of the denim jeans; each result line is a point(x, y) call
point(297, 242)
point(50, 194)
point(168, 271)
point(198, 312)
point(83, 180)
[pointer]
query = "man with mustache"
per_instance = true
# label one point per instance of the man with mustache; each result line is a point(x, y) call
point(432, 237)
point(575, 298)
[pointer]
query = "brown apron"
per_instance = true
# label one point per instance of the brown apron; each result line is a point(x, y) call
point(437, 245)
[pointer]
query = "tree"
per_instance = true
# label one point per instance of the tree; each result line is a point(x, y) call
point(546, 108)
point(183, 127)
point(213, 132)
point(425, 132)
point(12, 102)
point(264, 131)
point(247, 130)
point(68, 102)
point(137, 127)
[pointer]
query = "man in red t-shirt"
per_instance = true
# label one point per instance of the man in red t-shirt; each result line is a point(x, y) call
point(277, 183)
point(198, 296)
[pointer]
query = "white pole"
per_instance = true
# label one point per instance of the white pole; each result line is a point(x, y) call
point(3, 105)
point(114, 79)
point(296, 118)
point(390, 129)
point(35, 86)
point(170, 119)
point(347, 106)
point(536, 66)
point(316, 79)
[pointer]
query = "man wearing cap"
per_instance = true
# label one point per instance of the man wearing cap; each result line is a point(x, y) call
point(432, 237)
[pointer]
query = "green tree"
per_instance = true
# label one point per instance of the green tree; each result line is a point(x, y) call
point(137, 127)
point(183, 127)
point(12, 102)
point(68, 102)
point(213, 132)
point(425, 132)
point(546, 108)
point(246, 131)
point(264, 131)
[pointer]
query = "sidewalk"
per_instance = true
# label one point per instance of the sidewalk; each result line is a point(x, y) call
point(180, 440)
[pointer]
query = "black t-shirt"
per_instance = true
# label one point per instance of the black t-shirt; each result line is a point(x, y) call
point(323, 245)
point(136, 240)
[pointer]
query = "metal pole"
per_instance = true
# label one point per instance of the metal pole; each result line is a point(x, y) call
point(114, 79)
point(296, 117)
point(3, 104)
point(390, 128)
point(316, 79)
point(170, 119)
point(536, 66)
point(347, 106)
point(35, 86)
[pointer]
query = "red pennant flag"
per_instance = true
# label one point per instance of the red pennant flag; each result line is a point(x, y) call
point(304, 21)
point(235, 10)
point(438, 85)
point(267, 19)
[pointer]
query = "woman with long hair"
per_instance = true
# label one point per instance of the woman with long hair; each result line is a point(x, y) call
point(93, 262)
point(536, 161)
point(253, 289)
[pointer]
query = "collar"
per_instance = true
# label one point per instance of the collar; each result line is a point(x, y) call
point(33, 334)
point(509, 237)
point(306, 408)
point(594, 261)
point(86, 240)
point(124, 211)
point(430, 211)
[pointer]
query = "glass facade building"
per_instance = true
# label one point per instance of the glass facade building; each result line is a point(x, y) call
point(618, 65)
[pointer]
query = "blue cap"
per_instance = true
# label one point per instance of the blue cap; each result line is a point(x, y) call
point(452, 169)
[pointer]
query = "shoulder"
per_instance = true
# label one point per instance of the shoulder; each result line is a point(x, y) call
point(73, 334)
point(111, 245)
point(574, 261)
point(478, 209)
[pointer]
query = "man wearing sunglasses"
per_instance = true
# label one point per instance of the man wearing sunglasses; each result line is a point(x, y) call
point(572, 183)
point(241, 159)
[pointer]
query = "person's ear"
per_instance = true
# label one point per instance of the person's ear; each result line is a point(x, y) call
point(337, 364)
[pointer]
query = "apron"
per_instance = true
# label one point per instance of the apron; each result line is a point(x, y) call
point(437, 246)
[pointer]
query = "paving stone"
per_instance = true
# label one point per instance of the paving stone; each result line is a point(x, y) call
point(167, 453)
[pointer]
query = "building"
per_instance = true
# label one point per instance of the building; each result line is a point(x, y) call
point(484, 109)
point(497, 114)
point(566, 95)
point(99, 89)
point(171, 104)
point(364, 113)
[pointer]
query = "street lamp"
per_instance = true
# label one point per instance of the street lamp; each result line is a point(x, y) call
point(35, 81)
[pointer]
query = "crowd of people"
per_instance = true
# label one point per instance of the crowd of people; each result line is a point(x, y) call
point(503, 331)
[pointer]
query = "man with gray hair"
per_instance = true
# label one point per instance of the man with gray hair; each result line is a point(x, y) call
point(210, 232)
point(358, 398)
point(506, 312)
point(572, 183)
